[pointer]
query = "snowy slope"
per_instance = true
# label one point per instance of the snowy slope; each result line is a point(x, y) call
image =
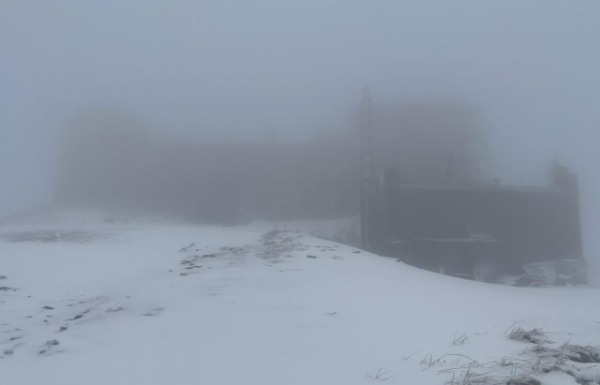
point(139, 304)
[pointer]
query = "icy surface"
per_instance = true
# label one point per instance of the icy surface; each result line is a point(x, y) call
point(131, 303)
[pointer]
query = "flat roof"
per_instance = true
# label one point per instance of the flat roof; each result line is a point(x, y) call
point(485, 187)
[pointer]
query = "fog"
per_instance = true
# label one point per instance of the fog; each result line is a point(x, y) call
point(204, 74)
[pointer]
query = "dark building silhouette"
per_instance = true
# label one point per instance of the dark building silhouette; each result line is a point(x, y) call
point(464, 230)
point(432, 204)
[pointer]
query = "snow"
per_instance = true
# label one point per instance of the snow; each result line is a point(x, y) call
point(127, 305)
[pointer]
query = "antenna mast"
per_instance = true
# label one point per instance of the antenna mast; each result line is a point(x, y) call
point(366, 154)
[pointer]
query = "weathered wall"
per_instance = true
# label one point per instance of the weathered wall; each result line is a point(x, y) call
point(528, 224)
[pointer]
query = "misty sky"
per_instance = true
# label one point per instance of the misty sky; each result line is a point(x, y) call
point(253, 70)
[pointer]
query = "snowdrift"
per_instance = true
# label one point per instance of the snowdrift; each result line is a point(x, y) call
point(155, 303)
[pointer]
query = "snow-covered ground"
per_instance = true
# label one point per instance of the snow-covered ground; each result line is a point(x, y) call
point(150, 303)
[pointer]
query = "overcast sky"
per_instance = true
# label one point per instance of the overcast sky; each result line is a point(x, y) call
point(253, 69)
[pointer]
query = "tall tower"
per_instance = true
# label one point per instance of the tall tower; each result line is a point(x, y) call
point(367, 169)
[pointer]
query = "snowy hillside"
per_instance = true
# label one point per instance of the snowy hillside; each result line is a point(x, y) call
point(130, 303)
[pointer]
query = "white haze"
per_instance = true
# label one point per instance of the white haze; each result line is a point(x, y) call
point(255, 70)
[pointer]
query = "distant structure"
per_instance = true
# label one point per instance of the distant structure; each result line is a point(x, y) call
point(472, 230)
point(367, 168)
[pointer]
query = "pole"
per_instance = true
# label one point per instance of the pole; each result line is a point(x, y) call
point(366, 151)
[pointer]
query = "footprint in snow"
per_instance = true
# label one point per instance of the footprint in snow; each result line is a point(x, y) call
point(80, 316)
point(154, 312)
point(49, 347)
point(7, 288)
